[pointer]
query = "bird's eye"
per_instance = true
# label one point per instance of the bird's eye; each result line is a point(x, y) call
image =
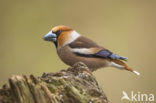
point(58, 32)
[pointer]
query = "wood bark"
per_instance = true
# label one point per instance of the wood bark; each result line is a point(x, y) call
point(73, 85)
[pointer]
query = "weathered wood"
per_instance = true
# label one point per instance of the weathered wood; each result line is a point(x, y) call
point(74, 85)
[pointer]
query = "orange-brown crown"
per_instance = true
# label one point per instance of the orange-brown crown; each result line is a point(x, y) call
point(62, 28)
point(65, 36)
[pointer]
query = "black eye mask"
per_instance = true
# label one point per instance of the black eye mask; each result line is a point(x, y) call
point(58, 33)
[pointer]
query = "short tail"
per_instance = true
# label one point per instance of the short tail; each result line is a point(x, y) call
point(123, 65)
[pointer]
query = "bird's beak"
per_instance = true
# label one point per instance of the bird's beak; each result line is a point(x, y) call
point(50, 37)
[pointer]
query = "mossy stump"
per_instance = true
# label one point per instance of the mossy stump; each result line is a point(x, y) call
point(74, 85)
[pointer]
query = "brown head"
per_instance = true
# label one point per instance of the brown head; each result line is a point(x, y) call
point(61, 35)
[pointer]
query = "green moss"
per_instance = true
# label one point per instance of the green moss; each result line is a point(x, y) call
point(52, 88)
point(76, 95)
point(58, 82)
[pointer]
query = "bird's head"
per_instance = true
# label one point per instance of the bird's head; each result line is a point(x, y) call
point(61, 35)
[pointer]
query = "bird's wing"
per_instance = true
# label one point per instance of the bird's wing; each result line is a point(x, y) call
point(83, 42)
point(86, 47)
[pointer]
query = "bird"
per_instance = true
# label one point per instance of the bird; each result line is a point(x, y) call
point(72, 47)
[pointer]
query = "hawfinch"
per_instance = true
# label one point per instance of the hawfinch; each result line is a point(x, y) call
point(73, 47)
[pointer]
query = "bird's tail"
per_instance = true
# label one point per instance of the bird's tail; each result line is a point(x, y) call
point(121, 63)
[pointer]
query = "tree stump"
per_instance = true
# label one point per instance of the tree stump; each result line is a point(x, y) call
point(74, 85)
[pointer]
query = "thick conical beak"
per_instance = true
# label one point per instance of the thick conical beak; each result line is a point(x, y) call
point(50, 37)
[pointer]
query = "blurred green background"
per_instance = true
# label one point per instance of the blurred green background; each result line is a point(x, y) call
point(125, 27)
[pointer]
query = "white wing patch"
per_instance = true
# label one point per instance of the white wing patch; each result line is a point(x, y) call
point(82, 51)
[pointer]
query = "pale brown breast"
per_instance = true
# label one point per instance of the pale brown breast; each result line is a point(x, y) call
point(68, 57)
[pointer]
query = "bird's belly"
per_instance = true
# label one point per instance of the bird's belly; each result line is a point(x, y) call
point(94, 63)
point(70, 58)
